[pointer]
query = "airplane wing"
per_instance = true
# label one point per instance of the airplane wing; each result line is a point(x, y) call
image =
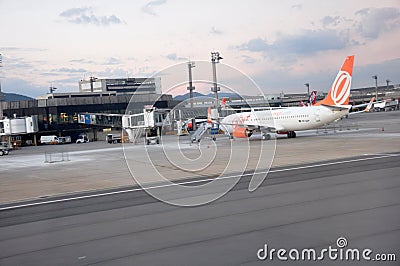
point(271, 129)
point(371, 102)
point(359, 105)
point(263, 127)
point(337, 107)
point(367, 108)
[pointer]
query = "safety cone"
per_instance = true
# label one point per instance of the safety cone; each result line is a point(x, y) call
point(383, 129)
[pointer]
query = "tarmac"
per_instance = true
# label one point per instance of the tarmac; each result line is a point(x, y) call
point(342, 205)
point(25, 174)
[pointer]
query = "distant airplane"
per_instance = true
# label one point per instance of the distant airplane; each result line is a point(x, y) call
point(368, 106)
point(287, 120)
point(312, 99)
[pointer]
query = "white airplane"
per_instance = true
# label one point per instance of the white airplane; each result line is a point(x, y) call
point(367, 106)
point(287, 120)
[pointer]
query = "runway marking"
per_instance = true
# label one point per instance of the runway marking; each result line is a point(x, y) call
point(191, 182)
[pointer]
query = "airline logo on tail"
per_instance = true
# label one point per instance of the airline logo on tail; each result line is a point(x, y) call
point(313, 98)
point(223, 103)
point(340, 90)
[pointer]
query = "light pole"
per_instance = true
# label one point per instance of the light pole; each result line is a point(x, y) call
point(387, 84)
point(52, 89)
point(308, 88)
point(376, 86)
point(214, 60)
point(191, 87)
point(308, 92)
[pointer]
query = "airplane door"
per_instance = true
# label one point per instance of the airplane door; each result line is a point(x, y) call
point(317, 118)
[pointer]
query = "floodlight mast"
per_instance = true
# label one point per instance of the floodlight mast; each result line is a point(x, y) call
point(215, 57)
point(375, 77)
point(191, 88)
point(387, 83)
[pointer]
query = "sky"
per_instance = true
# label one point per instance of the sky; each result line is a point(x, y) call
point(280, 45)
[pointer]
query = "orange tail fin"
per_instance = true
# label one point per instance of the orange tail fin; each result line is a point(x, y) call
point(369, 106)
point(340, 90)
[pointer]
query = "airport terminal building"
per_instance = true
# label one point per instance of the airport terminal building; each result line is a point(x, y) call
point(57, 113)
point(120, 85)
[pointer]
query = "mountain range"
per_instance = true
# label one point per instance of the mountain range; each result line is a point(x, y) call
point(12, 97)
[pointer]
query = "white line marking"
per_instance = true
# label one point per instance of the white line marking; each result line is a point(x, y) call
point(191, 182)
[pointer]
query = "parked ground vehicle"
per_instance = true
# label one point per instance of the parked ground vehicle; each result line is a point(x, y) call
point(82, 139)
point(113, 138)
point(51, 139)
point(5, 148)
point(64, 140)
point(152, 140)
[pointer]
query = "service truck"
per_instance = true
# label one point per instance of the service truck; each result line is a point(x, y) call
point(113, 138)
point(51, 139)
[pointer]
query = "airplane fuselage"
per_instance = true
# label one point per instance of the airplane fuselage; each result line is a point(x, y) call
point(284, 119)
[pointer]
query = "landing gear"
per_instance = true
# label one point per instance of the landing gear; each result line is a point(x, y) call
point(265, 136)
point(291, 134)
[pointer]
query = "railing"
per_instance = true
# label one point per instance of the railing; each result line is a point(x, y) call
point(198, 134)
point(338, 127)
point(54, 157)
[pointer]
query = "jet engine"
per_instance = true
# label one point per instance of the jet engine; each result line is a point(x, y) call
point(242, 132)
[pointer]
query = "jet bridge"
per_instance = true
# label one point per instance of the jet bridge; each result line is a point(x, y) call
point(101, 119)
point(147, 124)
point(12, 128)
point(19, 125)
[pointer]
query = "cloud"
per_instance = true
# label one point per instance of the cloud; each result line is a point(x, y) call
point(112, 73)
point(72, 12)
point(306, 43)
point(149, 7)
point(85, 15)
point(23, 49)
point(248, 59)
point(82, 61)
point(375, 21)
point(70, 70)
point(11, 62)
point(67, 82)
point(215, 31)
point(255, 45)
point(330, 21)
point(112, 61)
point(174, 57)
point(276, 80)
point(297, 6)
point(385, 70)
